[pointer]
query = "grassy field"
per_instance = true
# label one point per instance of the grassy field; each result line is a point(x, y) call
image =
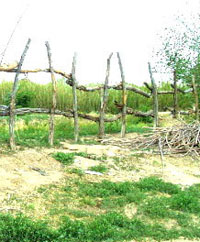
point(32, 130)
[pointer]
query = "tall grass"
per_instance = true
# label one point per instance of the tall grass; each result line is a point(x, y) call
point(38, 95)
point(32, 129)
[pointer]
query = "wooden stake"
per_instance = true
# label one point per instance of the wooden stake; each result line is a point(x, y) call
point(51, 120)
point(124, 97)
point(75, 105)
point(175, 95)
point(155, 97)
point(104, 99)
point(13, 98)
point(196, 97)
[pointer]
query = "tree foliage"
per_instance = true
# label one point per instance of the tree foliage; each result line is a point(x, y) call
point(180, 47)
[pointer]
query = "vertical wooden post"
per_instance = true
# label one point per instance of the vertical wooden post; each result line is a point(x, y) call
point(175, 96)
point(124, 97)
point(155, 97)
point(104, 99)
point(53, 107)
point(75, 105)
point(13, 98)
point(196, 97)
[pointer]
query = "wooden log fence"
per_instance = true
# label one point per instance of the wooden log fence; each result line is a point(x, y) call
point(155, 97)
point(104, 99)
point(13, 98)
point(72, 81)
point(51, 120)
point(75, 103)
point(124, 97)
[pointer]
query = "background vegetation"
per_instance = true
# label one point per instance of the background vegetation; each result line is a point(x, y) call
point(39, 96)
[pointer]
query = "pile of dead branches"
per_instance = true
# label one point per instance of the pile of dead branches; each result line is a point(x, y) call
point(183, 139)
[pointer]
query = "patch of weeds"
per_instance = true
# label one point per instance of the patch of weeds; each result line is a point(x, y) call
point(135, 196)
point(194, 190)
point(64, 158)
point(183, 219)
point(82, 154)
point(156, 184)
point(42, 189)
point(79, 213)
point(185, 201)
point(156, 208)
point(105, 188)
point(88, 201)
point(113, 203)
point(117, 159)
point(90, 156)
point(67, 189)
point(77, 171)
point(30, 207)
point(99, 168)
point(23, 229)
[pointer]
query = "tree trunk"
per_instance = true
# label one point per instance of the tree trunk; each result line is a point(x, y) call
point(175, 95)
point(196, 98)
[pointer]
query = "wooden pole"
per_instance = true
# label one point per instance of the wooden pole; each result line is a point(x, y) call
point(175, 95)
point(13, 98)
point(53, 79)
point(124, 97)
point(196, 97)
point(104, 99)
point(75, 104)
point(155, 97)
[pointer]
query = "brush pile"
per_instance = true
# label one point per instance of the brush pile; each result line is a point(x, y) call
point(183, 139)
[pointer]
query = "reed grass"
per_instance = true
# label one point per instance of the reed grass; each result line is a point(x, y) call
point(39, 95)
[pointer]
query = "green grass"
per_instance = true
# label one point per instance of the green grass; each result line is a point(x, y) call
point(99, 168)
point(64, 158)
point(33, 130)
point(98, 212)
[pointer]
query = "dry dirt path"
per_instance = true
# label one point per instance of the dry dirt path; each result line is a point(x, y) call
point(23, 171)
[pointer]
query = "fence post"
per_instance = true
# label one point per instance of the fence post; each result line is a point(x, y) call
point(104, 99)
point(175, 95)
point(13, 98)
point(75, 104)
point(53, 79)
point(124, 97)
point(155, 97)
point(196, 97)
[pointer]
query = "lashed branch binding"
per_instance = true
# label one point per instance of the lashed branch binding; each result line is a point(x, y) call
point(183, 139)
